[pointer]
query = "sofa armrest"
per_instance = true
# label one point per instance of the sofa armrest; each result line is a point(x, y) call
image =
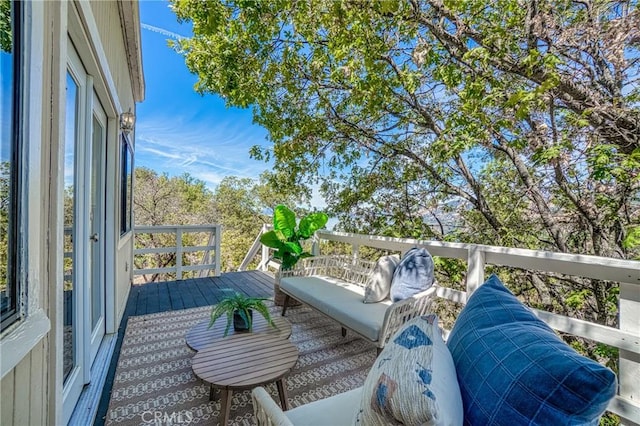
point(267, 412)
point(332, 266)
point(403, 311)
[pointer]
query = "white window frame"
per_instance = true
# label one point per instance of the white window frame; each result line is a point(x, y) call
point(22, 336)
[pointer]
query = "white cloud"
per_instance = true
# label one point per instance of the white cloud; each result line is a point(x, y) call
point(317, 200)
point(162, 31)
point(206, 151)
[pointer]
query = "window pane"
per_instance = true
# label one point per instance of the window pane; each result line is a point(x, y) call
point(69, 222)
point(9, 154)
point(126, 185)
point(95, 222)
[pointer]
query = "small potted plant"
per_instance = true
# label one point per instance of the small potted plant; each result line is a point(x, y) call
point(239, 310)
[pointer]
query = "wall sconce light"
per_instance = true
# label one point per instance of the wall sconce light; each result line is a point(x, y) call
point(127, 121)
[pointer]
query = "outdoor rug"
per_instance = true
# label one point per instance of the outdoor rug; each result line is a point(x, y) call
point(154, 383)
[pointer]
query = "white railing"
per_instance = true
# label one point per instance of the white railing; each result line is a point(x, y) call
point(210, 260)
point(625, 272)
point(265, 260)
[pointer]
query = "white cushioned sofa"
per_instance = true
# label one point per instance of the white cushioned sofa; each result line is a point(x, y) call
point(501, 365)
point(335, 286)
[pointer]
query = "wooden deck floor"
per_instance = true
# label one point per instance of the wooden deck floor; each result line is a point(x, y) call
point(173, 295)
point(193, 293)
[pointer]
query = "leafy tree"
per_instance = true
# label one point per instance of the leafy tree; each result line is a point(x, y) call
point(6, 36)
point(498, 122)
point(4, 222)
point(242, 206)
point(163, 200)
point(417, 92)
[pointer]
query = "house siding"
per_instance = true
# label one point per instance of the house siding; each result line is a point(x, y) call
point(23, 390)
point(31, 393)
point(114, 47)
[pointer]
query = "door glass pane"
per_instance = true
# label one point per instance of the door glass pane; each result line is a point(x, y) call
point(8, 164)
point(95, 209)
point(69, 223)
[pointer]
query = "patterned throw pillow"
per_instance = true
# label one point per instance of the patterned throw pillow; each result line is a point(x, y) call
point(513, 369)
point(379, 283)
point(413, 275)
point(413, 380)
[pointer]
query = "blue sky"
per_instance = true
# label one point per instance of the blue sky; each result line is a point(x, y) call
point(179, 130)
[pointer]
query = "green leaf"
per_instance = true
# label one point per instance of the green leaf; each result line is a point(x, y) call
point(288, 260)
point(284, 220)
point(311, 223)
point(271, 239)
point(633, 237)
point(293, 247)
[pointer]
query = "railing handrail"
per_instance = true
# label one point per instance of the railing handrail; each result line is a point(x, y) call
point(253, 250)
point(179, 249)
point(161, 229)
point(625, 272)
point(588, 266)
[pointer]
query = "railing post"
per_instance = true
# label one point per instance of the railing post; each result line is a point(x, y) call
point(356, 249)
point(475, 268)
point(315, 245)
point(178, 253)
point(629, 367)
point(218, 231)
point(264, 259)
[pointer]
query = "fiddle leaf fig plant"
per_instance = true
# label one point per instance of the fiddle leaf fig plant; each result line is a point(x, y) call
point(285, 238)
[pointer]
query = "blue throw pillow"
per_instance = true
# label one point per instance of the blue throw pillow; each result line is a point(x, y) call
point(414, 274)
point(513, 369)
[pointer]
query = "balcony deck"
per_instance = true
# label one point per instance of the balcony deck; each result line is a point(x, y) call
point(173, 295)
point(192, 293)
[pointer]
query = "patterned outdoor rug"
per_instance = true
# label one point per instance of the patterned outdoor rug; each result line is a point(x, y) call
point(154, 383)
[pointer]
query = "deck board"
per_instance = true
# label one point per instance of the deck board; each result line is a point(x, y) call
point(164, 303)
point(175, 295)
point(204, 288)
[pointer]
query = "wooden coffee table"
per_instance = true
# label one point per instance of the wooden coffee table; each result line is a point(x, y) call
point(244, 361)
point(201, 335)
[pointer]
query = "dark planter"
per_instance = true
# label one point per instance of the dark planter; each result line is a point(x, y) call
point(238, 322)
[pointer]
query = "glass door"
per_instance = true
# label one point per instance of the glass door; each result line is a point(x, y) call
point(73, 355)
point(95, 266)
point(84, 224)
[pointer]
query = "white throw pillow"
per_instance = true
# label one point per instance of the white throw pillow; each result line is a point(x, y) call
point(379, 284)
point(413, 381)
point(414, 274)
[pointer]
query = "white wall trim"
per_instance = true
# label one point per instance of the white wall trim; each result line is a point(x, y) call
point(130, 22)
point(87, 407)
point(57, 118)
point(22, 337)
point(15, 346)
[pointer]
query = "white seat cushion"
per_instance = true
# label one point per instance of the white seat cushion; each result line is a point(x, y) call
point(337, 410)
point(339, 300)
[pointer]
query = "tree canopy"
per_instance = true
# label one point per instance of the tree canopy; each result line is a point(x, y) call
point(240, 205)
point(6, 36)
point(501, 122)
point(518, 120)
